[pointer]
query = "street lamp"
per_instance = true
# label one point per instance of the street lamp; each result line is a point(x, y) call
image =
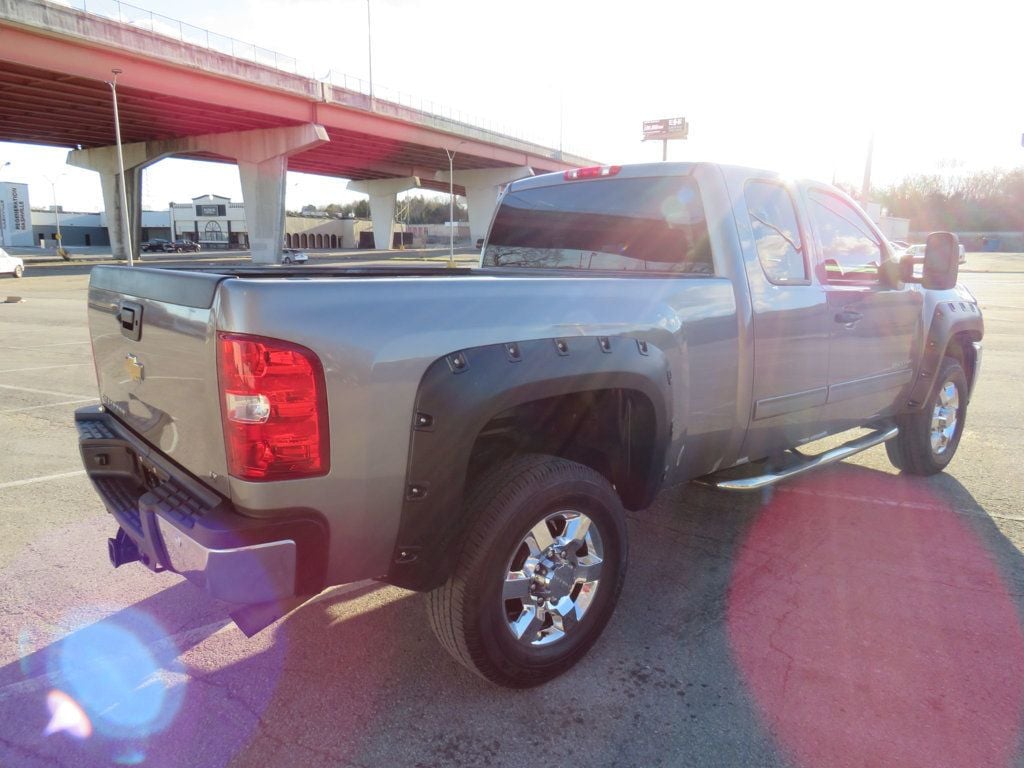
point(3, 212)
point(451, 203)
point(56, 212)
point(369, 49)
point(125, 224)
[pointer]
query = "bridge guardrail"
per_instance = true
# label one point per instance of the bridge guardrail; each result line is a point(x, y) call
point(176, 29)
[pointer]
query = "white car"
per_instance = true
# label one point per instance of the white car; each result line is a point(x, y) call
point(293, 255)
point(11, 264)
point(917, 252)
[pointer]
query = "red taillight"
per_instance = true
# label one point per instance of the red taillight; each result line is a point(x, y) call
point(273, 405)
point(594, 172)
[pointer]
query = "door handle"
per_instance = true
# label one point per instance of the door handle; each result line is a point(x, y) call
point(848, 317)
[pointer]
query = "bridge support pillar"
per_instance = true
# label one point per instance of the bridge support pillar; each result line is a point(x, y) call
point(103, 160)
point(383, 198)
point(263, 190)
point(482, 187)
point(262, 157)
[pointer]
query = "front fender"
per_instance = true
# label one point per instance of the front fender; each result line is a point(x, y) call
point(950, 317)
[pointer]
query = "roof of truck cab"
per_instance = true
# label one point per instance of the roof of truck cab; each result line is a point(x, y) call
point(640, 170)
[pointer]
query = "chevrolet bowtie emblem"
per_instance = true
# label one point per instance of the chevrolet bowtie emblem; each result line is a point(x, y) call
point(132, 367)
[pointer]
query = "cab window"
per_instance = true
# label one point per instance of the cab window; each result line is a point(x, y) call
point(652, 224)
point(850, 251)
point(776, 233)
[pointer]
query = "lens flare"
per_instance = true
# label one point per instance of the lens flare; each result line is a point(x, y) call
point(118, 673)
point(872, 626)
point(131, 756)
point(66, 716)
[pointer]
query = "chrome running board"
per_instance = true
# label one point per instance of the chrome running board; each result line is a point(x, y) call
point(811, 462)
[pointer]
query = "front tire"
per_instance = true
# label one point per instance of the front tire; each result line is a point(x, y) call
point(928, 439)
point(19, 270)
point(540, 571)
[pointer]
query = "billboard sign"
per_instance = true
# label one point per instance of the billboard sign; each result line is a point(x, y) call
point(669, 128)
point(15, 215)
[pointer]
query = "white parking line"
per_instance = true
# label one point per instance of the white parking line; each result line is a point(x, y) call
point(41, 391)
point(55, 344)
point(48, 405)
point(924, 506)
point(42, 367)
point(43, 479)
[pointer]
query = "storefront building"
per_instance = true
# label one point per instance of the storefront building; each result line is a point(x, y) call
point(213, 221)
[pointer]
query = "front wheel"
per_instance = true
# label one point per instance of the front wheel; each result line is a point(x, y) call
point(539, 573)
point(287, 260)
point(19, 270)
point(928, 439)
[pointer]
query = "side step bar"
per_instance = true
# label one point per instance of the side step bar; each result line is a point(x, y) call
point(812, 462)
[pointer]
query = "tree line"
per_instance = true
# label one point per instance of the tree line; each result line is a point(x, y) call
point(415, 209)
point(987, 201)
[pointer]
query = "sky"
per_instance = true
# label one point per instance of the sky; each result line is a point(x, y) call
point(791, 86)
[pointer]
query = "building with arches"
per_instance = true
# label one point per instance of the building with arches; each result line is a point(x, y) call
point(216, 222)
point(212, 221)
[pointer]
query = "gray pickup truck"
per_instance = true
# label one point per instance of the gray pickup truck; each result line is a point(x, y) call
point(478, 433)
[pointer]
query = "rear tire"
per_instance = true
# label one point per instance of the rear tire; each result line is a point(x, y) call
point(928, 439)
point(540, 571)
point(19, 270)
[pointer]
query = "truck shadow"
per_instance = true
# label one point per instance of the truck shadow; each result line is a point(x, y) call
point(850, 618)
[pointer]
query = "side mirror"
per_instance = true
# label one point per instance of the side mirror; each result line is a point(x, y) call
point(941, 261)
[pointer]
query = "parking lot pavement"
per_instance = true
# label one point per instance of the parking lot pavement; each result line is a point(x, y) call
point(87, 257)
point(853, 617)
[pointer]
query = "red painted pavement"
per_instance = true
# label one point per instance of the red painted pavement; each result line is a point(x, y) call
point(873, 628)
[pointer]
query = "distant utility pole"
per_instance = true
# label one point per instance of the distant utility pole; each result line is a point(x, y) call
point(865, 190)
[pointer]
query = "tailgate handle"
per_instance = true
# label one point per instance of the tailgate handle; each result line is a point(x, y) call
point(130, 317)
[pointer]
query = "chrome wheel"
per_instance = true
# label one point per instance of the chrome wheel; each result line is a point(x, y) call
point(552, 578)
point(944, 417)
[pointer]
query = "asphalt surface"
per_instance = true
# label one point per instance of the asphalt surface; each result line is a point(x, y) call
point(853, 617)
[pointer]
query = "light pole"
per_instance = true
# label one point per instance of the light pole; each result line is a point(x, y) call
point(126, 228)
point(369, 48)
point(451, 203)
point(56, 212)
point(3, 212)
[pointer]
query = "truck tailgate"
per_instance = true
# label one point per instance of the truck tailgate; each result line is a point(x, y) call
point(154, 343)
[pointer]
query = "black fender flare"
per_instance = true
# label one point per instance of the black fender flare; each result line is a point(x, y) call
point(949, 319)
point(462, 391)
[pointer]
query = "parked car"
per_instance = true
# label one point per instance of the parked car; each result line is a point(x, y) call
point(156, 245)
point(294, 256)
point(11, 265)
point(478, 434)
point(915, 251)
point(183, 246)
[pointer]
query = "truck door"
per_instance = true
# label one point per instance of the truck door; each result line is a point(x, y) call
point(790, 333)
point(874, 329)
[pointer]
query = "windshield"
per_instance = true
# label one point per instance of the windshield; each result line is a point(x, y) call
point(639, 224)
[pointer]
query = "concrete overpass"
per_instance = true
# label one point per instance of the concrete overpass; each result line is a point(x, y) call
point(179, 98)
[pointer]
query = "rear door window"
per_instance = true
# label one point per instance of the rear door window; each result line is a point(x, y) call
point(652, 224)
point(776, 233)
